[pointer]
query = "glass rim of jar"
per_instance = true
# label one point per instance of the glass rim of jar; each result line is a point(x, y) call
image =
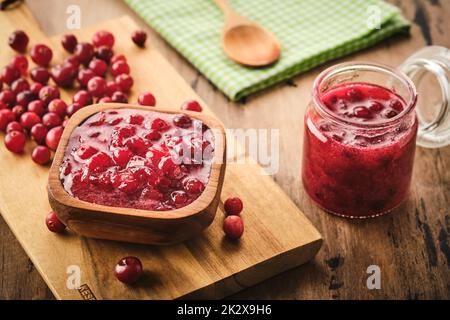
point(363, 66)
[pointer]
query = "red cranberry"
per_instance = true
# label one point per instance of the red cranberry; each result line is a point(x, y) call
point(192, 105)
point(193, 186)
point(128, 270)
point(390, 113)
point(39, 133)
point(58, 106)
point(41, 54)
point(233, 206)
point(73, 61)
point(84, 75)
point(64, 75)
point(15, 141)
point(8, 97)
point(362, 112)
point(54, 224)
point(178, 197)
point(122, 156)
point(97, 86)
point(105, 100)
point(111, 87)
point(396, 105)
point(18, 40)
point(9, 74)
point(18, 111)
point(51, 120)
point(13, 126)
point(49, 93)
point(153, 135)
point(25, 97)
point(98, 66)
point(376, 106)
point(20, 63)
point(82, 98)
point(103, 38)
point(29, 119)
point(125, 82)
point(40, 74)
point(1, 84)
point(69, 42)
point(182, 121)
point(37, 106)
point(20, 85)
point(159, 125)
point(233, 226)
point(104, 53)
point(85, 152)
point(72, 108)
point(35, 88)
point(53, 137)
point(41, 155)
point(139, 37)
point(84, 51)
point(3, 105)
point(6, 116)
point(120, 67)
point(118, 57)
point(147, 99)
point(119, 97)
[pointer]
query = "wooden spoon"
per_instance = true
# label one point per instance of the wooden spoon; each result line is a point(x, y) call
point(245, 41)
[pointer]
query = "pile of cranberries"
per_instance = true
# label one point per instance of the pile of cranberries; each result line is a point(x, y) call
point(30, 103)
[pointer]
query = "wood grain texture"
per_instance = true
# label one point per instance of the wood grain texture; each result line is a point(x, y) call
point(278, 236)
point(411, 246)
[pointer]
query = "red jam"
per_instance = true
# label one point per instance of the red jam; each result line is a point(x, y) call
point(138, 159)
point(353, 165)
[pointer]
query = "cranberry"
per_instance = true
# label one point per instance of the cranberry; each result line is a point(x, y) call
point(128, 270)
point(58, 106)
point(98, 66)
point(139, 37)
point(153, 135)
point(233, 206)
point(136, 119)
point(35, 88)
point(120, 67)
point(84, 75)
point(18, 40)
point(192, 105)
point(9, 74)
point(41, 54)
point(103, 38)
point(54, 224)
point(104, 53)
point(8, 97)
point(64, 75)
point(182, 121)
point(362, 112)
point(20, 63)
point(146, 99)
point(99, 162)
point(122, 156)
point(193, 186)
point(39, 133)
point(84, 51)
point(105, 100)
point(13, 126)
point(20, 85)
point(49, 93)
point(53, 137)
point(25, 97)
point(376, 106)
point(354, 95)
point(37, 106)
point(111, 87)
point(233, 226)
point(41, 155)
point(97, 86)
point(118, 57)
point(72, 108)
point(6, 116)
point(69, 42)
point(82, 98)
point(18, 111)
point(119, 97)
point(40, 74)
point(125, 82)
point(15, 141)
point(179, 198)
point(29, 119)
point(51, 120)
point(396, 105)
point(86, 152)
point(3, 105)
point(390, 113)
point(159, 124)
point(72, 60)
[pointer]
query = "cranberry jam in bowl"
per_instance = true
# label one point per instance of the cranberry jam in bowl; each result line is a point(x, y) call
point(136, 174)
point(359, 140)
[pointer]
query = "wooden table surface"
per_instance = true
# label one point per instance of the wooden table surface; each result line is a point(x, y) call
point(411, 246)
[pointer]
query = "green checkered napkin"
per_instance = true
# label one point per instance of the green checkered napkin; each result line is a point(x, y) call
point(311, 32)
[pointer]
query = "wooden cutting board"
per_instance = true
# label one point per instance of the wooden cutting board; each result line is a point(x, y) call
point(277, 237)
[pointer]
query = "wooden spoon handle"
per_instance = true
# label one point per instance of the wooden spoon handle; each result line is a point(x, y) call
point(223, 5)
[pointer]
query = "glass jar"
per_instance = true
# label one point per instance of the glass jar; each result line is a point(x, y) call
point(360, 138)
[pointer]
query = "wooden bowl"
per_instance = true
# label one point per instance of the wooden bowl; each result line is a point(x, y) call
point(135, 225)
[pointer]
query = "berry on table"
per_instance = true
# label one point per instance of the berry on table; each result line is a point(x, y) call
point(13, 126)
point(20, 63)
point(103, 38)
point(15, 141)
point(58, 106)
point(119, 97)
point(192, 105)
point(233, 206)
point(69, 42)
point(41, 54)
point(6, 116)
point(120, 67)
point(146, 99)
point(53, 137)
point(82, 98)
point(233, 226)
point(54, 224)
point(49, 93)
point(18, 40)
point(104, 53)
point(37, 106)
point(124, 81)
point(9, 74)
point(128, 270)
point(139, 37)
point(84, 75)
point(51, 120)
point(38, 133)
point(97, 86)
point(29, 119)
point(84, 52)
point(98, 66)
point(41, 155)
point(40, 75)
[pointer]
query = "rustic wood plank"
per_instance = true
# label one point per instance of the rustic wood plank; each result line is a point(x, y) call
point(411, 247)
